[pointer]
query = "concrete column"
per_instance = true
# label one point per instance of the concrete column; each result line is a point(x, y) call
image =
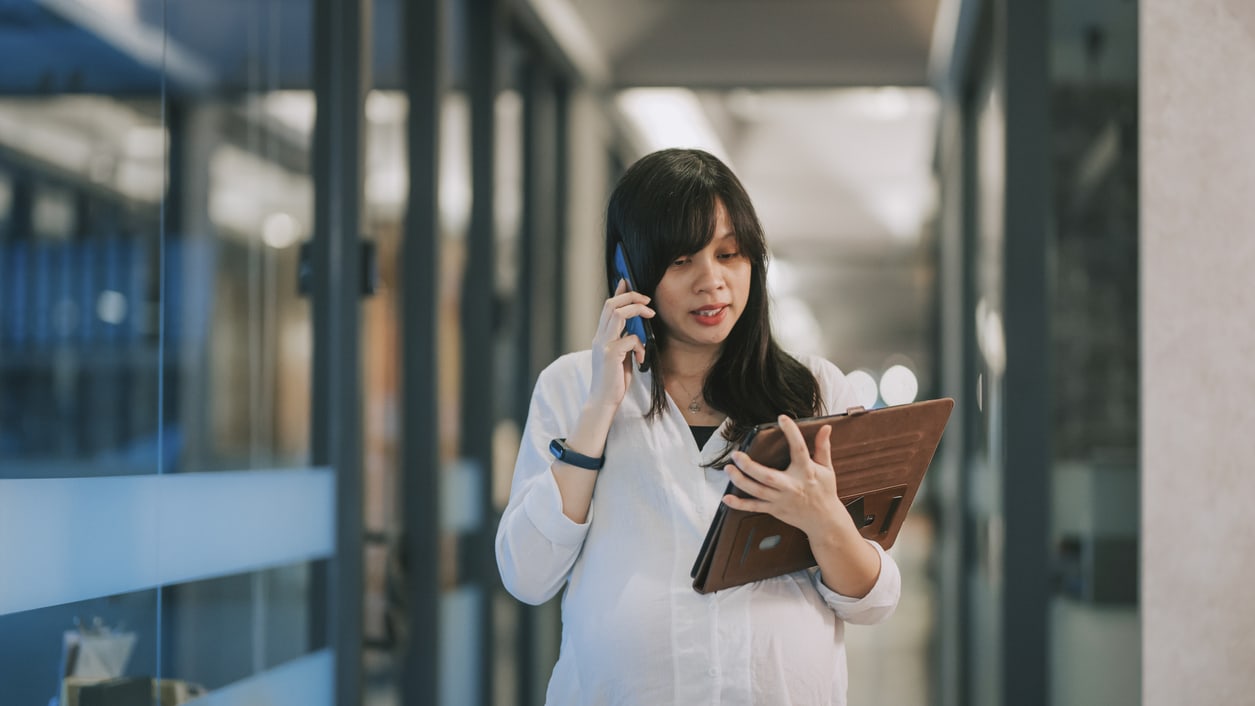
point(589, 188)
point(1198, 351)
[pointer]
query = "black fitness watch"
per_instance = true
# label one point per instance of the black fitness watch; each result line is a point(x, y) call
point(566, 454)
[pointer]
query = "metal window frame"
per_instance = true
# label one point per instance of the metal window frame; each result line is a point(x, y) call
point(423, 82)
point(341, 49)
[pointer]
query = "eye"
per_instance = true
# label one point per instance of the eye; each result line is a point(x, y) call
point(679, 261)
point(729, 255)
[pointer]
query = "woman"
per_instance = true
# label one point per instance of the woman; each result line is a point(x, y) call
point(622, 539)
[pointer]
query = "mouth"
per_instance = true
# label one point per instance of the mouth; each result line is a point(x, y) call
point(710, 316)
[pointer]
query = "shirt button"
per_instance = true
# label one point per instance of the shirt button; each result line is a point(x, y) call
point(713, 672)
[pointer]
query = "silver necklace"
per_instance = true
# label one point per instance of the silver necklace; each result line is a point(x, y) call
point(694, 405)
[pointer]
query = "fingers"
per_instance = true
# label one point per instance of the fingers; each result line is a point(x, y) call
point(619, 309)
point(755, 479)
point(629, 349)
point(746, 504)
point(797, 443)
point(623, 298)
point(823, 447)
point(623, 347)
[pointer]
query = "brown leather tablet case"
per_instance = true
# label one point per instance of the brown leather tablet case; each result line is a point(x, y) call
point(880, 457)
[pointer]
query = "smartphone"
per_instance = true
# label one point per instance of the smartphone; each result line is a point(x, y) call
point(636, 325)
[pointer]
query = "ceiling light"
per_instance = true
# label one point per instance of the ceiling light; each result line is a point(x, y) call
point(898, 385)
point(864, 388)
point(670, 117)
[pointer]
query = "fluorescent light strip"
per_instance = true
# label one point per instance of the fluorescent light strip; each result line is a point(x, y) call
point(305, 681)
point(143, 43)
point(573, 36)
point(670, 117)
point(71, 539)
point(945, 32)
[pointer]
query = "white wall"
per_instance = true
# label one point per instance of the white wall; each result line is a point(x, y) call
point(591, 141)
point(1198, 351)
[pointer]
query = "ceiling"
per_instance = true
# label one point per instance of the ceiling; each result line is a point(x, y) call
point(805, 99)
point(762, 43)
point(843, 184)
point(840, 174)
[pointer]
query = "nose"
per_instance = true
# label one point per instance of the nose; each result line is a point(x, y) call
point(709, 275)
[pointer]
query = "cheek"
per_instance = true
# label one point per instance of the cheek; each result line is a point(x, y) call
point(670, 316)
point(744, 279)
point(662, 305)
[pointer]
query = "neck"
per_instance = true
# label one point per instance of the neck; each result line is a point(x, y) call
point(686, 363)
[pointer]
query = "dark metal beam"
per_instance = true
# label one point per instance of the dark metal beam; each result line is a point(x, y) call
point(418, 279)
point(485, 37)
point(542, 260)
point(539, 311)
point(341, 51)
point(561, 186)
point(1026, 468)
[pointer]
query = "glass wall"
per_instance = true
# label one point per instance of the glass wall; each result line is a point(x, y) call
point(986, 463)
point(159, 517)
point(529, 227)
point(158, 370)
point(1051, 430)
point(1095, 630)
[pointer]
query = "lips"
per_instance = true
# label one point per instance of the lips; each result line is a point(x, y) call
point(710, 316)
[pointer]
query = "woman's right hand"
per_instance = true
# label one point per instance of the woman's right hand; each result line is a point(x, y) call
point(613, 356)
point(614, 353)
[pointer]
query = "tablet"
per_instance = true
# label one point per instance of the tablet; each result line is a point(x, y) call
point(880, 457)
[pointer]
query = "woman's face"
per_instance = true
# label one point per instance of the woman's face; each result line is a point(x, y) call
point(702, 295)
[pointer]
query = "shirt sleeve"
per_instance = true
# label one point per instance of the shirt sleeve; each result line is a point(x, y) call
point(882, 600)
point(536, 543)
point(839, 395)
point(877, 605)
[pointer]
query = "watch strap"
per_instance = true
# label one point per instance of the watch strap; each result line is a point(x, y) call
point(565, 454)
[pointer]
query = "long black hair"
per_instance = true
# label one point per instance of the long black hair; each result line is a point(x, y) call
point(665, 207)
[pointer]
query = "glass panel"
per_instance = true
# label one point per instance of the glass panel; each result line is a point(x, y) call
point(985, 421)
point(154, 186)
point(1095, 630)
point(521, 669)
point(114, 636)
point(386, 191)
point(83, 165)
point(387, 187)
point(237, 339)
point(81, 260)
point(225, 630)
point(387, 173)
point(124, 534)
point(306, 681)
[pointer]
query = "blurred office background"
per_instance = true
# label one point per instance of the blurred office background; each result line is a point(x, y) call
point(277, 276)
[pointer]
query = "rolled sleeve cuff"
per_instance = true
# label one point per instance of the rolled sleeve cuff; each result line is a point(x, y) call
point(881, 599)
point(544, 508)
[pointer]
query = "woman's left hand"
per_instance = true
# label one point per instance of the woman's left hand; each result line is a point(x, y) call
point(803, 495)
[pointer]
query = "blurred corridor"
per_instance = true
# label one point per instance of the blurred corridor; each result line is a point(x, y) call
point(277, 278)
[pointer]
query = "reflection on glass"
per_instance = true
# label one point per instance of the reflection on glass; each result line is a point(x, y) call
point(865, 386)
point(152, 201)
point(898, 385)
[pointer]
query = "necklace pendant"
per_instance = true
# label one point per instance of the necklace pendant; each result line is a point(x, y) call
point(695, 406)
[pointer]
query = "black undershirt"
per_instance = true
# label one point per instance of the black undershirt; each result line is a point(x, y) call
point(702, 434)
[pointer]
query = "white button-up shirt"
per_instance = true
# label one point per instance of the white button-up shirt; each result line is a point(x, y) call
point(634, 632)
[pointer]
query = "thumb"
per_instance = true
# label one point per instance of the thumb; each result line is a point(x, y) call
point(823, 447)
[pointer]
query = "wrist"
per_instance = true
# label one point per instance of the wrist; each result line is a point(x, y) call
point(568, 455)
point(598, 414)
point(835, 530)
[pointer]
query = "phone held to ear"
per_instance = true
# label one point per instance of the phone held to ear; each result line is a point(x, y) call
point(636, 325)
